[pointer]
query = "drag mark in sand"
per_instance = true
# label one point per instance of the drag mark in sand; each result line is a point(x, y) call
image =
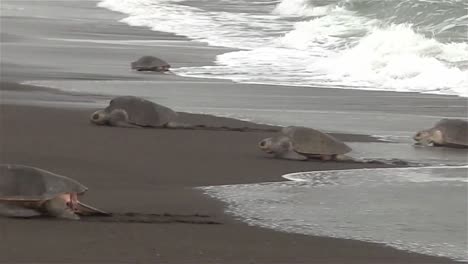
point(143, 218)
point(165, 218)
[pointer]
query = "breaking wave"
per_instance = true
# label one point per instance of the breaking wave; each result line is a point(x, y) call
point(396, 45)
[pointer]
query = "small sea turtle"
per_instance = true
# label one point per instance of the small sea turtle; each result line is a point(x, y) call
point(302, 143)
point(132, 111)
point(27, 191)
point(446, 132)
point(150, 63)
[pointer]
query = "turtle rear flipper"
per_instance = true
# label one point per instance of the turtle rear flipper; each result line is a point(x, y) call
point(342, 157)
point(10, 210)
point(84, 209)
point(173, 124)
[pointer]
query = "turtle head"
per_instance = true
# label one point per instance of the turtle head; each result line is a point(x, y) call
point(265, 145)
point(276, 145)
point(99, 117)
point(425, 137)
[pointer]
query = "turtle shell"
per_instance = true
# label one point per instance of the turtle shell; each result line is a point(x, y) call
point(454, 131)
point(149, 63)
point(141, 111)
point(310, 141)
point(24, 183)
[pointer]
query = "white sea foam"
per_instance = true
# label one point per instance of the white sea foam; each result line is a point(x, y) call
point(298, 8)
point(396, 58)
point(216, 28)
point(415, 174)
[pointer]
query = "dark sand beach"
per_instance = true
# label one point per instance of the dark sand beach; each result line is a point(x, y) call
point(149, 172)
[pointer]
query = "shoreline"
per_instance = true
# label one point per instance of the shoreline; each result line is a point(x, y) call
point(12, 94)
point(60, 139)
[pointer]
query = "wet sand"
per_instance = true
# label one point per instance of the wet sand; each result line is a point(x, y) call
point(144, 176)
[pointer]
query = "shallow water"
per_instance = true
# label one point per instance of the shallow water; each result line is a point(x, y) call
point(417, 155)
point(370, 113)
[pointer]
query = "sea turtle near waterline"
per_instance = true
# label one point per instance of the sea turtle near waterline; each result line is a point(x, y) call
point(302, 143)
point(28, 191)
point(150, 63)
point(135, 112)
point(446, 132)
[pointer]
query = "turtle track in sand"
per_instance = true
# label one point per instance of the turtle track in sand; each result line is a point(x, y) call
point(142, 218)
point(225, 128)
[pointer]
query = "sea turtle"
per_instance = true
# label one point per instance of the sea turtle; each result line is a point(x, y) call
point(132, 111)
point(150, 63)
point(302, 143)
point(28, 191)
point(446, 132)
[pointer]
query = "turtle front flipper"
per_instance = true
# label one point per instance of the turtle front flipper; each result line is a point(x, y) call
point(125, 124)
point(292, 155)
point(10, 210)
point(59, 208)
point(119, 118)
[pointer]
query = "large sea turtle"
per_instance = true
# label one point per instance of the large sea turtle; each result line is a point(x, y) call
point(28, 191)
point(446, 132)
point(150, 63)
point(132, 111)
point(302, 143)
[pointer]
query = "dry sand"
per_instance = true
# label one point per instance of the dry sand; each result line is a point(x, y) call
point(150, 172)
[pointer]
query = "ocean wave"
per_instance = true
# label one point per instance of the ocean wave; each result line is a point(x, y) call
point(216, 28)
point(297, 8)
point(395, 45)
point(394, 58)
point(398, 59)
point(445, 20)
